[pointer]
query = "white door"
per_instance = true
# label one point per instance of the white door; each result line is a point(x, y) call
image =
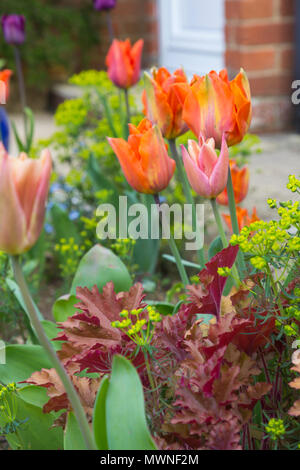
point(192, 35)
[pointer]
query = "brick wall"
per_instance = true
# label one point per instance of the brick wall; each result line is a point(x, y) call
point(132, 19)
point(260, 38)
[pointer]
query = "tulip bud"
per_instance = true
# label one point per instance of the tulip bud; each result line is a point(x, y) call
point(13, 29)
point(104, 4)
point(206, 172)
point(124, 62)
point(24, 184)
point(144, 158)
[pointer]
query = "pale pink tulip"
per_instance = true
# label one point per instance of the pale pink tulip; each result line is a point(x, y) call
point(24, 184)
point(206, 171)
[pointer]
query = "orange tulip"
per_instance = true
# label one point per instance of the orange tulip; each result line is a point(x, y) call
point(213, 105)
point(24, 186)
point(144, 158)
point(124, 62)
point(242, 216)
point(161, 104)
point(240, 181)
point(4, 82)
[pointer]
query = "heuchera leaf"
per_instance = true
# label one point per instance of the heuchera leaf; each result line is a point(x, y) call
point(206, 296)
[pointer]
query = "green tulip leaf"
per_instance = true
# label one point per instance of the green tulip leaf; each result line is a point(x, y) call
point(100, 266)
point(125, 410)
point(64, 308)
point(99, 415)
point(73, 439)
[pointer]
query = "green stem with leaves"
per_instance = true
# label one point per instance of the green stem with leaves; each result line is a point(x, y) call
point(174, 249)
point(219, 223)
point(187, 193)
point(234, 220)
point(44, 341)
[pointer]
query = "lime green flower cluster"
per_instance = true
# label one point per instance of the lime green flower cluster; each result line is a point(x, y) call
point(224, 272)
point(8, 404)
point(138, 324)
point(275, 428)
point(293, 184)
point(70, 254)
point(123, 246)
point(267, 240)
point(72, 113)
point(93, 78)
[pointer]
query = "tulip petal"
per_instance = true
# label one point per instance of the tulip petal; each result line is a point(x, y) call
point(136, 57)
point(157, 108)
point(12, 218)
point(130, 165)
point(207, 159)
point(155, 161)
point(40, 192)
point(219, 176)
point(197, 179)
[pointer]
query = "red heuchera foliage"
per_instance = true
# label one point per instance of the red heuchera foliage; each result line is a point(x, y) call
point(90, 340)
point(206, 296)
point(215, 391)
point(295, 409)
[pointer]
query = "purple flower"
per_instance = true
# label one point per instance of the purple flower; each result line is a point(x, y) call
point(13, 29)
point(104, 4)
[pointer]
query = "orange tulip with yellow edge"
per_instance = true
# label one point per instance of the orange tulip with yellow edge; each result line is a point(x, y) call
point(213, 105)
point(4, 81)
point(161, 104)
point(240, 181)
point(144, 158)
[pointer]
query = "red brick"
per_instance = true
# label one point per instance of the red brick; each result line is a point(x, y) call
point(287, 7)
point(264, 33)
point(273, 85)
point(251, 60)
point(248, 9)
point(287, 58)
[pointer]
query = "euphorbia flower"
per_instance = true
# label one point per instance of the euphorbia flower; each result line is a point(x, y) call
point(104, 4)
point(240, 181)
point(24, 186)
point(13, 29)
point(243, 217)
point(213, 105)
point(206, 172)
point(4, 79)
point(124, 62)
point(144, 158)
point(161, 104)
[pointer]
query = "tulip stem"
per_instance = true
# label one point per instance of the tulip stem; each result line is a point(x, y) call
point(21, 86)
point(110, 26)
point(174, 248)
point(219, 223)
point(187, 193)
point(234, 221)
point(126, 94)
point(44, 341)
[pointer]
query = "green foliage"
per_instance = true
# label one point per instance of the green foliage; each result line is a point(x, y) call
point(122, 424)
point(53, 33)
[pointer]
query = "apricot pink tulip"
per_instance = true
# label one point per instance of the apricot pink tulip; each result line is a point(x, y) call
point(24, 184)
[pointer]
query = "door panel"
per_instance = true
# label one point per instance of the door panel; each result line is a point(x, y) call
point(192, 34)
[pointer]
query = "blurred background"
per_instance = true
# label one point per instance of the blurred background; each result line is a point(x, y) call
point(66, 36)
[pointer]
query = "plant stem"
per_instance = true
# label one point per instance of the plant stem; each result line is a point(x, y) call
point(218, 220)
point(126, 94)
point(110, 26)
point(234, 221)
point(187, 193)
point(174, 249)
point(71, 392)
point(21, 86)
